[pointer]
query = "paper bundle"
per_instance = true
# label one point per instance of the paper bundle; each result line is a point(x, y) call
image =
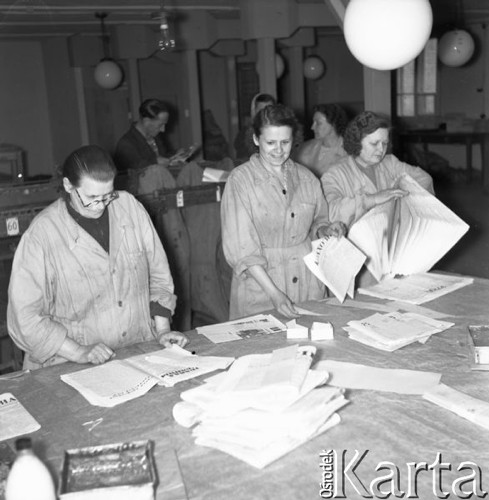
point(264, 406)
point(394, 330)
point(408, 235)
point(214, 175)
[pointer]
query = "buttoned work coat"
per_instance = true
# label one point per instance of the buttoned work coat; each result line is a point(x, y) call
point(64, 284)
point(346, 186)
point(262, 226)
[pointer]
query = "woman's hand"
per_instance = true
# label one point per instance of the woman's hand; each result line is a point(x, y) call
point(284, 305)
point(336, 229)
point(168, 338)
point(163, 161)
point(96, 354)
point(386, 195)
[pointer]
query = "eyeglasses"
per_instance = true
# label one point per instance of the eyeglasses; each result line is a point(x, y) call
point(96, 203)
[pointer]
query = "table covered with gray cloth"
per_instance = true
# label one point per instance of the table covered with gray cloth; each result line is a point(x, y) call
point(393, 428)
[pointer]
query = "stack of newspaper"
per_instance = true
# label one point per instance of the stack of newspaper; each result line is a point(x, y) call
point(394, 330)
point(264, 406)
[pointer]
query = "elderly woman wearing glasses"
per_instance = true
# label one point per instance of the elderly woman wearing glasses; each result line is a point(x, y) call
point(90, 274)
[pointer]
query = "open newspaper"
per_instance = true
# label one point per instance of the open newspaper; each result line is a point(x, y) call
point(336, 262)
point(122, 380)
point(408, 235)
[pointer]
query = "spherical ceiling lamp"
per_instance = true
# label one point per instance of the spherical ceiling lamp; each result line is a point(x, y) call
point(279, 65)
point(108, 74)
point(387, 34)
point(455, 48)
point(313, 68)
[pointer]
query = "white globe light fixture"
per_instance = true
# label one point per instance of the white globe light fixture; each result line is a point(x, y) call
point(455, 48)
point(108, 74)
point(313, 68)
point(387, 34)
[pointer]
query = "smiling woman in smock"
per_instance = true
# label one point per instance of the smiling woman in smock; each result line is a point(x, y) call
point(271, 209)
point(368, 176)
point(90, 274)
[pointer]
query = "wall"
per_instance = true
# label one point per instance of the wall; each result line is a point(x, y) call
point(342, 81)
point(214, 91)
point(24, 113)
point(461, 91)
point(63, 110)
point(160, 77)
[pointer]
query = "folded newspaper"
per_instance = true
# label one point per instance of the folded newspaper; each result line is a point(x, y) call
point(394, 330)
point(122, 380)
point(263, 407)
point(336, 262)
point(242, 328)
point(15, 420)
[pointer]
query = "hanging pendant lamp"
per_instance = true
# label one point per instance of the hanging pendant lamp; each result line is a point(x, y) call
point(387, 34)
point(456, 47)
point(108, 74)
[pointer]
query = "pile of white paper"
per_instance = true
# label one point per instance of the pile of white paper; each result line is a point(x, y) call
point(264, 406)
point(394, 330)
point(249, 327)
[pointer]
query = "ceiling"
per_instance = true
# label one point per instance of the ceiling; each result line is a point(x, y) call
point(29, 18)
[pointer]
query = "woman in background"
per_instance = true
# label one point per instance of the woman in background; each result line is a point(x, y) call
point(368, 176)
point(243, 144)
point(328, 124)
point(271, 209)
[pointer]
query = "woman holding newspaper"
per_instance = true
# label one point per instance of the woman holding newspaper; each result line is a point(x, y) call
point(90, 274)
point(368, 176)
point(271, 208)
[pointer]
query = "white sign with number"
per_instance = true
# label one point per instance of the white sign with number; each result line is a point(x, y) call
point(12, 226)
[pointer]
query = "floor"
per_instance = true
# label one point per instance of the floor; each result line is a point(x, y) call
point(469, 257)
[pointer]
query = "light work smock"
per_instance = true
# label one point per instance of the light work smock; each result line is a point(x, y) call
point(317, 157)
point(63, 284)
point(262, 226)
point(345, 185)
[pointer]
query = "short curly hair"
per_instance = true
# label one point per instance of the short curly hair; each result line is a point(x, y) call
point(362, 125)
point(276, 115)
point(335, 115)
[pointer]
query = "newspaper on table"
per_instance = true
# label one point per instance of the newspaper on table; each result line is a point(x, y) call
point(416, 288)
point(122, 380)
point(394, 330)
point(264, 406)
point(15, 420)
point(249, 327)
point(465, 406)
point(335, 262)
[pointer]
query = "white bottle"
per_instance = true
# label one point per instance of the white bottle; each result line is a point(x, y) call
point(29, 478)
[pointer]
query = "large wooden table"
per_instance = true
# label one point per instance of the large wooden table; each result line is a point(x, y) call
point(392, 427)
